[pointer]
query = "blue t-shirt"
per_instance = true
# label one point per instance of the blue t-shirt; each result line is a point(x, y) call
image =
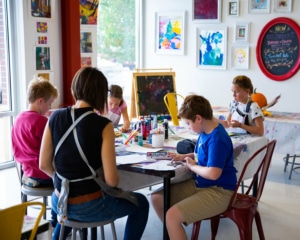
point(216, 150)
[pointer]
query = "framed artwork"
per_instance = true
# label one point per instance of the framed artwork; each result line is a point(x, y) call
point(43, 60)
point(278, 49)
point(212, 47)
point(86, 61)
point(86, 42)
point(282, 5)
point(240, 57)
point(169, 34)
point(241, 32)
point(262, 6)
point(233, 8)
point(88, 12)
point(207, 11)
point(40, 9)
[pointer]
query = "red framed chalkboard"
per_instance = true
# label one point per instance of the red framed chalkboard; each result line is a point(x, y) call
point(277, 51)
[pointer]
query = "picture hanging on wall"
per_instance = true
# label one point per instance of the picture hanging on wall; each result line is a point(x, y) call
point(241, 33)
point(283, 5)
point(43, 60)
point(45, 75)
point(86, 61)
point(207, 11)
point(40, 9)
point(240, 57)
point(41, 27)
point(233, 8)
point(86, 42)
point(88, 12)
point(42, 40)
point(262, 6)
point(170, 28)
point(212, 47)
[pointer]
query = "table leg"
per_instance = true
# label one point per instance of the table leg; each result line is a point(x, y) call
point(167, 185)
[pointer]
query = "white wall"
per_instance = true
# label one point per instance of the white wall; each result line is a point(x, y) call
point(27, 63)
point(215, 85)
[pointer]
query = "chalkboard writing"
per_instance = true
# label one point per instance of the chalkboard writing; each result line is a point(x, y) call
point(278, 49)
point(150, 89)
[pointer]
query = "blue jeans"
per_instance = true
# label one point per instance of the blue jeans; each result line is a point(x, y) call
point(106, 208)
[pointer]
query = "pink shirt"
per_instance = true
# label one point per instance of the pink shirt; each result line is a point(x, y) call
point(27, 133)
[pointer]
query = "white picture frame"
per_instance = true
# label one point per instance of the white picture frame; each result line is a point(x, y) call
point(283, 6)
point(170, 32)
point(212, 47)
point(233, 9)
point(240, 57)
point(206, 11)
point(241, 32)
point(262, 6)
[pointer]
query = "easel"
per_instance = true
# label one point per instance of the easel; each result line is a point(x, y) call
point(142, 73)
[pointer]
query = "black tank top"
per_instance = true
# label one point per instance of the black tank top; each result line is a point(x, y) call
point(68, 161)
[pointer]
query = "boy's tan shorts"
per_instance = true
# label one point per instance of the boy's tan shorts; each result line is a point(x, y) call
point(199, 203)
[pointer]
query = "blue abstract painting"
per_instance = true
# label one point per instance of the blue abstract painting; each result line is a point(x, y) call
point(212, 47)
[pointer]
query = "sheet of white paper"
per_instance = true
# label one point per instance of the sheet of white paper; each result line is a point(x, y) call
point(140, 149)
point(131, 159)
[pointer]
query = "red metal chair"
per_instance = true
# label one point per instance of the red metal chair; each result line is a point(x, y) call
point(242, 208)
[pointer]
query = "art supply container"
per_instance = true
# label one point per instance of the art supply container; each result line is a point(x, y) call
point(158, 140)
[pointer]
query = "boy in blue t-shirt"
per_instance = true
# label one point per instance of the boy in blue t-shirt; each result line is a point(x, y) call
point(209, 193)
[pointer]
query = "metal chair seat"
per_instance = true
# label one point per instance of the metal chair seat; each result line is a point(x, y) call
point(76, 225)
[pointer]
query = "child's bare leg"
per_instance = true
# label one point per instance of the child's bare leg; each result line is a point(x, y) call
point(174, 220)
point(157, 200)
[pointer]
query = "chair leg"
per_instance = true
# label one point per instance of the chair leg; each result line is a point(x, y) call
point(102, 233)
point(292, 166)
point(214, 225)
point(195, 232)
point(45, 201)
point(113, 230)
point(244, 223)
point(259, 226)
point(61, 233)
point(286, 162)
point(94, 233)
point(242, 186)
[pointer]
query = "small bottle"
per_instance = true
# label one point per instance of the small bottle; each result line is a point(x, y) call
point(166, 128)
point(150, 136)
point(140, 139)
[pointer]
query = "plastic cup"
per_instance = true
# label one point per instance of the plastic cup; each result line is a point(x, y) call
point(158, 140)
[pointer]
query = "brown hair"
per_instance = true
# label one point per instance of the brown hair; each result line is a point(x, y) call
point(195, 105)
point(40, 88)
point(90, 85)
point(243, 82)
point(116, 92)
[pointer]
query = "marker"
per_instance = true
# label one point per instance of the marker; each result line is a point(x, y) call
point(171, 130)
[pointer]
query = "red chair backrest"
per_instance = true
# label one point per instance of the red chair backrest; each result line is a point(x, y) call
point(260, 174)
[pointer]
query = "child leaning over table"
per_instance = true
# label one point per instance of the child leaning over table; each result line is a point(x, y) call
point(117, 107)
point(240, 119)
point(209, 193)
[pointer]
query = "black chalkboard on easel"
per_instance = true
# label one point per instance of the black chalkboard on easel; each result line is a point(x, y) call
point(149, 89)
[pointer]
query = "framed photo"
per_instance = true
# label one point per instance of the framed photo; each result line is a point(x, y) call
point(212, 47)
point(43, 59)
point(282, 5)
point(40, 9)
point(233, 8)
point(170, 27)
point(240, 57)
point(262, 6)
point(207, 11)
point(241, 32)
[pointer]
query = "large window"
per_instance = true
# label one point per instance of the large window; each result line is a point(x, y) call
point(6, 111)
point(116, 43)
